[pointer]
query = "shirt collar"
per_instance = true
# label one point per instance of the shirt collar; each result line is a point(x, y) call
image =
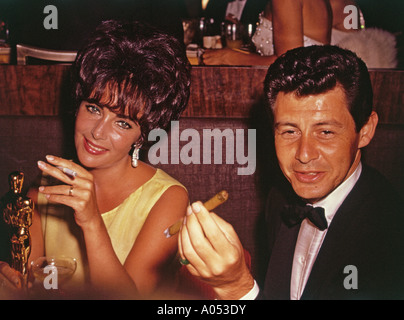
point(333, 201)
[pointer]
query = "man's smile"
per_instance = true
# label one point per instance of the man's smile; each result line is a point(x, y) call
point(308, 176)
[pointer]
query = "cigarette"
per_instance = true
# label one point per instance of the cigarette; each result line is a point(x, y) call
point(67, 171)
point(210, 205)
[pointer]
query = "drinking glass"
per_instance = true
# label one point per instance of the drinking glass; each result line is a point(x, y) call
point(42, 268)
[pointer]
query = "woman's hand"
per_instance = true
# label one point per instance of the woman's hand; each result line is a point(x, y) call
point(228, 56)
point(215, 253)
point(224, 56)
point(10, 279)
point(78, 192)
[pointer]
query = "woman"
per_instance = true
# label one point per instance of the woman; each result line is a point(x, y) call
point(288, 24)
point(376, 47)
point(263, 37)
point(340, 11)
point(129, 79)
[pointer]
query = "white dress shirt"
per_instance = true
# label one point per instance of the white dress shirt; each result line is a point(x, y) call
point(235, 8)
point(310, 239)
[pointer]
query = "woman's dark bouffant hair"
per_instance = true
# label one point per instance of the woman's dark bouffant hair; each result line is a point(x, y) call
point(133, 67)
point(317, 69)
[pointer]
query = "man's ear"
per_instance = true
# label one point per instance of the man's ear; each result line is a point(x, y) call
point(368, 130)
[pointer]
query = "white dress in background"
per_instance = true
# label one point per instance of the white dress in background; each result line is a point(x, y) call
point(263, 37)
point(376, 47)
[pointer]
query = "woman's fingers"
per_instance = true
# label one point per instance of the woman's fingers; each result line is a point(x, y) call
point(225, 56)
point(73, 197)
point(77, 180)
point(54, 172)
point(9, 278)
point(66, 190)
point(64, 170)
point(78, 191)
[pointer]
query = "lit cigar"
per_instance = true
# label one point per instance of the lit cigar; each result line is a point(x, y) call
point(210, 205)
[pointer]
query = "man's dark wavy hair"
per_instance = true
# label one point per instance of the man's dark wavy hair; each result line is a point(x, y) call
point(144, 71)
point(317, 69)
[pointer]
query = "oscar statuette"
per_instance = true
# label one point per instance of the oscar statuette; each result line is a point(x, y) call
point(17, 213)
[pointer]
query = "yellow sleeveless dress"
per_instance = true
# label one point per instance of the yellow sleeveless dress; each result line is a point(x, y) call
point(62, 236)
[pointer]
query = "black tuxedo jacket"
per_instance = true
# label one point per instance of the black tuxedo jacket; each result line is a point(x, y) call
point(217, 9)
point(366, 232)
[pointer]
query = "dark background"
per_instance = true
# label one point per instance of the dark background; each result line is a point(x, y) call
point(387, 15)
point(77, 18)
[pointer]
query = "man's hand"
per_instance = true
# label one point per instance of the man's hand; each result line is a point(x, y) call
point(215, 253)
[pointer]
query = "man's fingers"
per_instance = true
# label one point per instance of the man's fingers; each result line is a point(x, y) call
point(188, 252)
point(227, 229)
point(218, 235)
point(197, 237)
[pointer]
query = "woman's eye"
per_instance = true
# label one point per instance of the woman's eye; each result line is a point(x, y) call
point(124, 125)
point(93, 109)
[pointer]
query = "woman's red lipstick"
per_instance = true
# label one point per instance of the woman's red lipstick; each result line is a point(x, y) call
point(93, 148)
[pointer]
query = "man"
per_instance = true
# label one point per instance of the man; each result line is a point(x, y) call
point(353, 248)
point(234, 11)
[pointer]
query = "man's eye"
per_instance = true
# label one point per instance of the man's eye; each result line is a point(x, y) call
point(288, 133)
point(326, 134)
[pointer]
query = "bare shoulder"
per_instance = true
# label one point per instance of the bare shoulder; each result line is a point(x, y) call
point(175, 195)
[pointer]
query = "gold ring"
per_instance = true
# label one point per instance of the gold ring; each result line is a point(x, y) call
point(184, 262)
point(71, 191)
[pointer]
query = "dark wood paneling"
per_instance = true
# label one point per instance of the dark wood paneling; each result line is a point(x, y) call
point(225, 91)
point(31, 90)
point(388, 95)
point(215, 91)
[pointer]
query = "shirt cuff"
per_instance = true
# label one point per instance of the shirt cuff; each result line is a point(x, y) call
point(253, 293)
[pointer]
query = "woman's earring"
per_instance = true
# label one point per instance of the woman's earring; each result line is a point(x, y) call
point(135, 155)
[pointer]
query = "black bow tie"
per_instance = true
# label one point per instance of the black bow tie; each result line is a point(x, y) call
point(294, 214)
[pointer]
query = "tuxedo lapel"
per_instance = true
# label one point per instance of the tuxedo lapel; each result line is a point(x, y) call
point(340, 244)
point(366, 232)
point(277, 281)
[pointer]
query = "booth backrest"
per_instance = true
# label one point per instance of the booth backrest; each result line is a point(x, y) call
point(34, 98)
point(27, 139)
